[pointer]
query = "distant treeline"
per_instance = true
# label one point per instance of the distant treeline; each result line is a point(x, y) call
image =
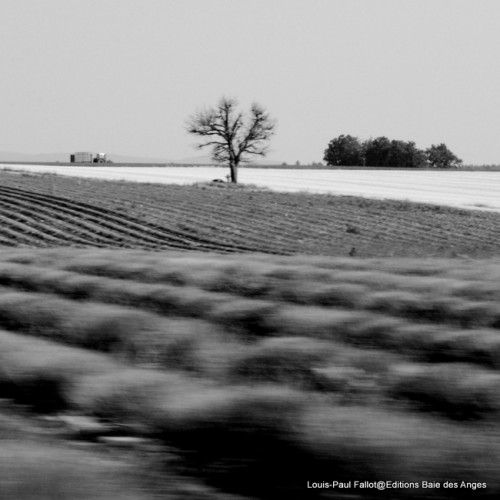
point(346, 150)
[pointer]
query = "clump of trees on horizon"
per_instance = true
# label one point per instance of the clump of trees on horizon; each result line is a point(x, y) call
point(349, 151)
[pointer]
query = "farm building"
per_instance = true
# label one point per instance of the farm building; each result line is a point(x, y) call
point(85, 157)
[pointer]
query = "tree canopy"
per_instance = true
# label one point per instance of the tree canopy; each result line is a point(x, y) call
point(441, 157)
point(346, 150)
point(233, 136)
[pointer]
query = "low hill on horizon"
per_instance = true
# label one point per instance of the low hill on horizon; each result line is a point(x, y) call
point(7, 156)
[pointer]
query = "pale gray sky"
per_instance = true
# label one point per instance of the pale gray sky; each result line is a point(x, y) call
point(123, 75)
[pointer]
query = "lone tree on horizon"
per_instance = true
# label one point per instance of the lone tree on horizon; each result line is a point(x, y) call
point(232, 135)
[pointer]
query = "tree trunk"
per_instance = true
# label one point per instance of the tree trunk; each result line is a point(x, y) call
point(233, 167)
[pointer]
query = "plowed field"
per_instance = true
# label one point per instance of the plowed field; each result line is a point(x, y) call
point(50, 210)
point(464, 189)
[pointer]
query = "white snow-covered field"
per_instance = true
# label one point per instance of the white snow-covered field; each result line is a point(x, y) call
point(471, 190)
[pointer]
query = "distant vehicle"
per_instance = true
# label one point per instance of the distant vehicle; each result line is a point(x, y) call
point(84, 157)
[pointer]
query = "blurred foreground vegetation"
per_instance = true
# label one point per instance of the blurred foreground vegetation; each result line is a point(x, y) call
point(257, 373)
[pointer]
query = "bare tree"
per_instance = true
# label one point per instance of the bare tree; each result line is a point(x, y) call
point(233, 136)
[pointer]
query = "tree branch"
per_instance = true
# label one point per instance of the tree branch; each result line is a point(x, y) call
point(231, 135)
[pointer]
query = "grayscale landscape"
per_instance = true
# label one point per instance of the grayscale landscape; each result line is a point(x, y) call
point(249, 250)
